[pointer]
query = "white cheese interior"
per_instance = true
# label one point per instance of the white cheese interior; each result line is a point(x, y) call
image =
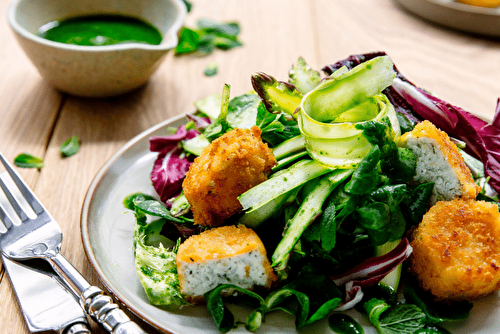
point(245, 270)
point(432, 166)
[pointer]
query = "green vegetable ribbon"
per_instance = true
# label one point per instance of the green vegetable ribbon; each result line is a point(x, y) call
point(330, 114)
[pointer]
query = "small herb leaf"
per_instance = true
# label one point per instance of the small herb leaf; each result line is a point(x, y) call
point(25, 160)
point(70, 146)
point(211, 69)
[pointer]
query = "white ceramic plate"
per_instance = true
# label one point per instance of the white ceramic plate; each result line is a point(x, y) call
point(474, 19)
point(107, 230)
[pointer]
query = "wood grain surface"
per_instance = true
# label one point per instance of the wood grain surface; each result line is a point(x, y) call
point(35, 118)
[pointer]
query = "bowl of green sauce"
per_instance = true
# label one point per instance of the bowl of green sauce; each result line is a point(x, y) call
point(96, 48)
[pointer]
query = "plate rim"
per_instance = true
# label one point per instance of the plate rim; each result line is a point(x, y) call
point(455, 12)
point(84, 231)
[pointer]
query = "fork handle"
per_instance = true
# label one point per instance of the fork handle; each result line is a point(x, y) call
point(105, 312)
point(101, 308)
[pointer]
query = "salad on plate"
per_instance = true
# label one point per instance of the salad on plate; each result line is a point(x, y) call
point(355, 190)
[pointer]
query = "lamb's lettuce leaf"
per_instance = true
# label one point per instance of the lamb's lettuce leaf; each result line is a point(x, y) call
point(154, 257)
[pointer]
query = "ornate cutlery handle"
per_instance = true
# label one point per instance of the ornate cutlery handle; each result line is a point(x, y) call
point(78, 328)
point(99, 306)
point(105, 312)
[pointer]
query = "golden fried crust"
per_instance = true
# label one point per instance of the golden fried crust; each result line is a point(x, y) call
point(456, 250)
point(219, 243)
point(227, 167)
point(450, 151)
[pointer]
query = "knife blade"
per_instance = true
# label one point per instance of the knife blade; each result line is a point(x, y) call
point(46, 303)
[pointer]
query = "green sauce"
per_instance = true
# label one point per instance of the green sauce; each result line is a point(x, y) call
point(97, 30)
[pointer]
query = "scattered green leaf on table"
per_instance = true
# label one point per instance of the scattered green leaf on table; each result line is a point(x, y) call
point(188, 4)
point(211, 69)
point(188, 41)
point(25, 160)
point(207, 36)
point(70, 146)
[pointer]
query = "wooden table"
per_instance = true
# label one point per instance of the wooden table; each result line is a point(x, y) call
point(36, 119)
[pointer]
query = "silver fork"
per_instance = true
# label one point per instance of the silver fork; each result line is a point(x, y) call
point(41, 237)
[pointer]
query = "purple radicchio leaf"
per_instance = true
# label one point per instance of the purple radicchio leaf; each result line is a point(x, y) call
point(370, 272)
point(172, 163)
point(482, 139)
point(200, 122)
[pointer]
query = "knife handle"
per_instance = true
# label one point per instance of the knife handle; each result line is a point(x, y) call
point(107, 314)
point(78, 328)
point(100, 307)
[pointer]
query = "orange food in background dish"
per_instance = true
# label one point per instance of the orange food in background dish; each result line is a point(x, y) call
point(481, 3)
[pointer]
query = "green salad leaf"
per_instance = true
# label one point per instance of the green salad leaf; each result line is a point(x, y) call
point(344, 324)
point(207, 36)
point(25, 160)
point(155, 255)
point(211, 69)
point(436, 312)
point(70, 146)
point(309, 297)
point(397, 319)
point(303, 77)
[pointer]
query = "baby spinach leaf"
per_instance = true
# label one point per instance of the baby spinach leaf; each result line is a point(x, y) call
point(222, 316)
point(128, 202)
point(344, 324)
point(242, 111)
point(391, 195)
point(25, 160)
point(375, 218)
point(400, 164)
point(328, 227)
point(276, 128)
point(149, 205)
point(345, 204)
point(381, 224)
point(377, 132)
point(436, 312)
point(366, 175)
point(70, 146)
point(417, 202)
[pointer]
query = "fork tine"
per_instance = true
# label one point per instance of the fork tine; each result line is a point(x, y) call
point(23, 188)
point(15, 205)
point(5, 218)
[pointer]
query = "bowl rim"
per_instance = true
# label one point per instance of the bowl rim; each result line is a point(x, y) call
point(169, 39)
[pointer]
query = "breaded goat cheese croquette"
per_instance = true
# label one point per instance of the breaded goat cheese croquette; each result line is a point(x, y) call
point(227, 167)
point(439, 161)
point(456, 250)
point(222, 255)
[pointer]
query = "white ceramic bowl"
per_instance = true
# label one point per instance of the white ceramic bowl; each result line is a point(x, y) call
point(95, 71)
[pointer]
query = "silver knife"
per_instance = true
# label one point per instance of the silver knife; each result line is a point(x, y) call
point(46, 303)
